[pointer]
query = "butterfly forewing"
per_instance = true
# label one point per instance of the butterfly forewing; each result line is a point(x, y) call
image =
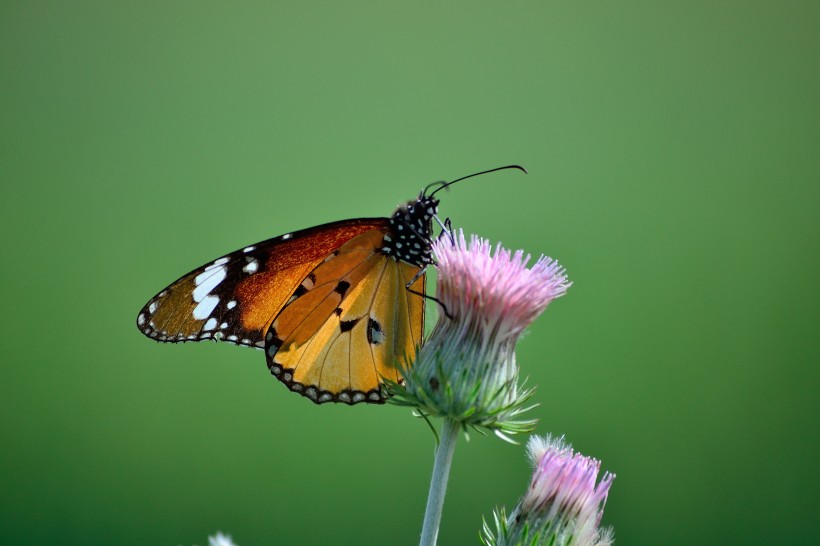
point(235, 297)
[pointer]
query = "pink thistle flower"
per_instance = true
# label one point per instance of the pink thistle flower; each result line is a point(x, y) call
point(564, 484)
point(495, 292)
point(564, 503)
point(467, 370)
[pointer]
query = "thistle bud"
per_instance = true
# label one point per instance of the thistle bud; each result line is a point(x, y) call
point(563, 505)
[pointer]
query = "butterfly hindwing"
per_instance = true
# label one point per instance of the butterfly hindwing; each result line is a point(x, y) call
point(235, 297)
point(349, 325)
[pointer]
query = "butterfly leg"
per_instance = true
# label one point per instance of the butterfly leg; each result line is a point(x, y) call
point(425, 296)
point(446, 227)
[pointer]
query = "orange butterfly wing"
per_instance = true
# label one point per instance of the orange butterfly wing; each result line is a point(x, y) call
point(329, 304)
point(351, 323)
point(236, 297)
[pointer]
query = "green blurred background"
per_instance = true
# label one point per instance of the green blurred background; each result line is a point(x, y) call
point(673, 157)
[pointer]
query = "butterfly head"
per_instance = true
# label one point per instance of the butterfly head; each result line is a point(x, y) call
point(411, 232)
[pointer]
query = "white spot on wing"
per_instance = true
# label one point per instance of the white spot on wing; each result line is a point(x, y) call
point(210, 325)
point(205, 307)
point(287, 236)
point(251, 267)
point(152, 308)
point(141, 319)
point(207, 281)
point(217, 263)
point(248, 249)
point(231, 304)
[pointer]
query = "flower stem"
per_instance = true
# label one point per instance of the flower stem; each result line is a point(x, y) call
point(438, 483)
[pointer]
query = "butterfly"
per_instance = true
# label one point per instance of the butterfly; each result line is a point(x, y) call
point(336, 308)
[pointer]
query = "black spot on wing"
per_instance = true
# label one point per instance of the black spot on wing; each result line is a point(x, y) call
point(300, 291)
point(342, 288)
point(374, 331)
point(273, 339)
point(347, 325)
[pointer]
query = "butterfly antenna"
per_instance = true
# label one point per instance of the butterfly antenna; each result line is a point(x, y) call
point(431, 184)
point(445, 184)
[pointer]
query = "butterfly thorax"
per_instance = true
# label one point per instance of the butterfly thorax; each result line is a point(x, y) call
point(411, 232)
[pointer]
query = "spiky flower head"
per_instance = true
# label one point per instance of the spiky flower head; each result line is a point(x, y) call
point(467, 369)
point(563, 505)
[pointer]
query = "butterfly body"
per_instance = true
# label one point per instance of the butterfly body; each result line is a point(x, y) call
point(336, 307)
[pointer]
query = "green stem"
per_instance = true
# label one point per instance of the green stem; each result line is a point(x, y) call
point(438, 483)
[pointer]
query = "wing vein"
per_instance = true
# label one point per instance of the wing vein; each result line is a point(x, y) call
point(312, 338)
